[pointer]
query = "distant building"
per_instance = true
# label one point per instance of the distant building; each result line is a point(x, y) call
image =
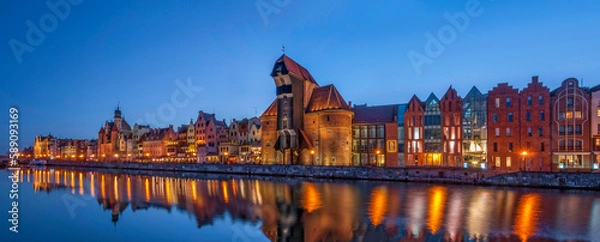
point(115, 141)
point(45, 147)
point(571, 140)
point(159, 144)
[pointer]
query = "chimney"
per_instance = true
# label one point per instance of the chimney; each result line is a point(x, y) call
point(350, 104)
point(534, 79)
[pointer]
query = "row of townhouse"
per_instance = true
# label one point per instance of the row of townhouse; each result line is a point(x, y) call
point(50, 147)
point(506, 128)
point(206, 140)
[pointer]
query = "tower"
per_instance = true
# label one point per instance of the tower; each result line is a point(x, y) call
point(117, 117)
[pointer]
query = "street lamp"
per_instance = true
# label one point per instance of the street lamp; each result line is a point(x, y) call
point(312, 155)
point(524, 154)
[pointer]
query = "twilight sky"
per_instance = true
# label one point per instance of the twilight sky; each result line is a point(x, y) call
point(105, 52)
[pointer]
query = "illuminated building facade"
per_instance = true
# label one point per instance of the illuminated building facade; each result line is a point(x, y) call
point(474, 128)
point(307, 123)
point(375, 135)
point(571, 109)
point(115, 141)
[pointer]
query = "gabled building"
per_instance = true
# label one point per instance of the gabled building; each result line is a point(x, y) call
point(451, 108)
point(115, 139)
point(413, 132)
point(45, 147)
point(535, 125)
point(432, 132)
point(306, 123)
point(474, 126)
point(503, 128)
point(159, 144)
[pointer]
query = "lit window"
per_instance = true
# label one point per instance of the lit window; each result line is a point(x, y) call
point(497, 102)
point(578, 114)
point(508, 161)
point(569, 115)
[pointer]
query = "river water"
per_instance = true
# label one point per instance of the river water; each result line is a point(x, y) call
point(68, 205)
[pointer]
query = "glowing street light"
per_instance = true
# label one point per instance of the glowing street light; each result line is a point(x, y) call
point(524, 154)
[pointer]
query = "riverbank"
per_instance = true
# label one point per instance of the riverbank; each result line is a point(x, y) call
point(416, 174)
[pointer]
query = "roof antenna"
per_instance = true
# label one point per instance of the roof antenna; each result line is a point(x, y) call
point(283, 49)
point(118, 104)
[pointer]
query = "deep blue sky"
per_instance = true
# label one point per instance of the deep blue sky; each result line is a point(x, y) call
point(106, 52)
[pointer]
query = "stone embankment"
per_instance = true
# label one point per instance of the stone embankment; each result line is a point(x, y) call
point(417, 174)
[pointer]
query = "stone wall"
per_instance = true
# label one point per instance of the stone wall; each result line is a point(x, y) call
point(433, 175)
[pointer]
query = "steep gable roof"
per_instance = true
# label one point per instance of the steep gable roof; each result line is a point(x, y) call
point(286, 65)
point(271, 110)
point(326, 98)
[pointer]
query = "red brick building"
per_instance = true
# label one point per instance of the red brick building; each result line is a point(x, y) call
point(451, 107)
point(503, 128)
point(375, 135)
point(413, 132)
point(535, 131)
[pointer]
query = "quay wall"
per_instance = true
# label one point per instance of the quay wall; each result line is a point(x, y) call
point(581, 180)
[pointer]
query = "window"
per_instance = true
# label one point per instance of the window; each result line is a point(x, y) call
point(598, 112)
point(561, 115)
point(578, 129)
point(495, 147)
point(510, 147)
point(569, 115)
point(540, 100)
point(528, 116)
point(510, 117)
point(578, 114)
point(529, 132)
point(569, 102)
point(528, 100)
point(508, 162)
point(541, 131)
point(542, 146)
point(497, 102)
point(498, 162)
point(497, 132)
point(561, 130)
point(508, 102)
point(495, 118)
point(569, 129)
point(507, 132)
point(542, 116)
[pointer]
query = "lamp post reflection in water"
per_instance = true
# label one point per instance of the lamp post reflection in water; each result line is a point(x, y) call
point(378, 205)
point(437, 203)
point(527, 216)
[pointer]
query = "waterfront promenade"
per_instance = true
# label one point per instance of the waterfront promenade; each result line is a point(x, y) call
point(578, 180)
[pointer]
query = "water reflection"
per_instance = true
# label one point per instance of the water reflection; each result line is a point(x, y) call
point(367, 211)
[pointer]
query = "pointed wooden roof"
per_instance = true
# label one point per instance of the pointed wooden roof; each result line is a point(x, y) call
point(326, 98)
point(286, 65)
